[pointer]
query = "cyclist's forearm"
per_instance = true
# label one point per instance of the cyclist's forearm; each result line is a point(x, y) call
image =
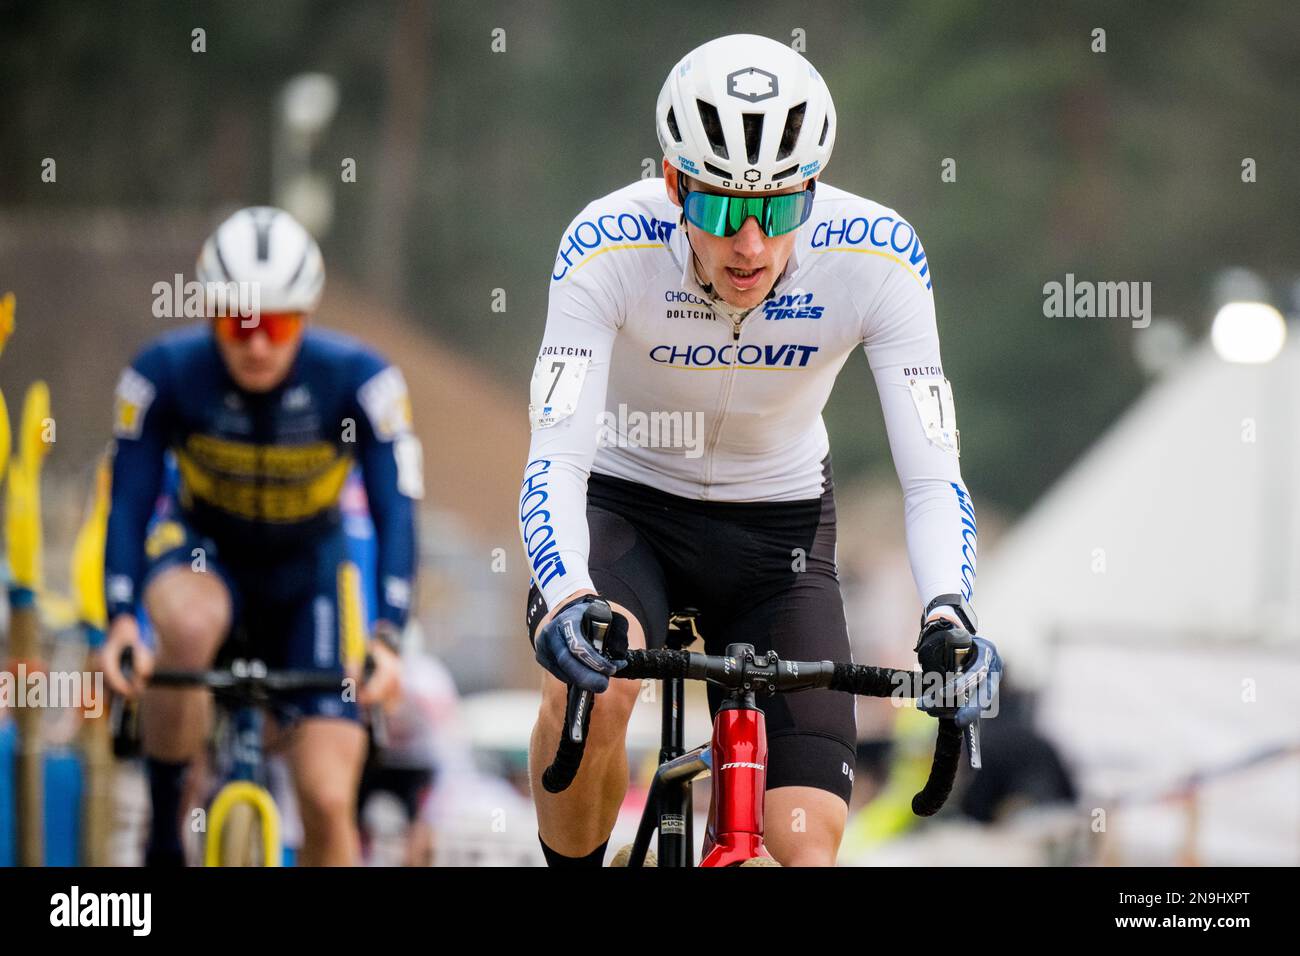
point(395, 537)
point(394, 517)
point(553, 524)
point(137, 477)
point(392, 469)
point(941, 536)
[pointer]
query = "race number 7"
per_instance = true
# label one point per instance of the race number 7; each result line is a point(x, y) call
point(933, 400)
point(938, 400)
point(558, 369)
point(550, 402)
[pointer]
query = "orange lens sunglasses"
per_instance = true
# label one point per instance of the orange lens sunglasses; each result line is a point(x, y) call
point(279, 327)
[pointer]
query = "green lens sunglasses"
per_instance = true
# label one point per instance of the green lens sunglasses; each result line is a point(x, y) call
point(724, 215)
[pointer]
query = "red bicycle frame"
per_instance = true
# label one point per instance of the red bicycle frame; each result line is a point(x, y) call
point(739, 782)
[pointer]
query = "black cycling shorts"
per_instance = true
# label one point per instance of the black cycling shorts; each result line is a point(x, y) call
point(760, 573)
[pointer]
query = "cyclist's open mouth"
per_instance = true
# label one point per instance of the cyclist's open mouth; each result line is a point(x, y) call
point(744, 278)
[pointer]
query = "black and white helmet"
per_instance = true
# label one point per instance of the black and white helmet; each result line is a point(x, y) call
point(270, 250)
point(744, 112)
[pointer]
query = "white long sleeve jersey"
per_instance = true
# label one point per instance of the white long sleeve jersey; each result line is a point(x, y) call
point(643, 377)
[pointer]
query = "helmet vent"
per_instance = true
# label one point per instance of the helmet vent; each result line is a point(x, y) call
point(716, 171)
point(713, 128)
point(672, 126)
point(753, 135)
point(826, 128)
point(790, 135)
point(262, 231)
point(786, 172)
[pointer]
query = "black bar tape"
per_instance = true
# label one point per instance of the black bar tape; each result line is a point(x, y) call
point(568, 758)
point(943, 771)
point(655, 665)
point(867, 681)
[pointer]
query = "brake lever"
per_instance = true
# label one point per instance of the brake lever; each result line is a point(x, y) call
point(577, 716)
point(972, 731)
point(960, 686)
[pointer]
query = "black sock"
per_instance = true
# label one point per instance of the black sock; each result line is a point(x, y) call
point(595, 858)
point(166, 781)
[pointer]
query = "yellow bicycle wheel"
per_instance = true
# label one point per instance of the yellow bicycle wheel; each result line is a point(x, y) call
point(241, 838)
point(243, 827)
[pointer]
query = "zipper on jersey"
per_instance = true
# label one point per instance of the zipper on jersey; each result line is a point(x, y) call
point(716, 431)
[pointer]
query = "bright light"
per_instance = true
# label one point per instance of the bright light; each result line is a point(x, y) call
point(310, 100)
point(1251, 332)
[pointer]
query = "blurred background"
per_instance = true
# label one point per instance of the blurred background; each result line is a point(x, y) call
point(1140, 539)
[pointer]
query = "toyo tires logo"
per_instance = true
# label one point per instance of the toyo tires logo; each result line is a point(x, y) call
point(792, 307)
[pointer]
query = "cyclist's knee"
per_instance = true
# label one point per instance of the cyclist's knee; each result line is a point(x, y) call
point(612, 712)
point(326, 801)
point(190, 611)
point(635, 633)
point(326, 759)
point(804, 825)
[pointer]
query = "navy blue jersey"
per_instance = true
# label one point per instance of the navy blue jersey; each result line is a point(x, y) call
point(261, 474)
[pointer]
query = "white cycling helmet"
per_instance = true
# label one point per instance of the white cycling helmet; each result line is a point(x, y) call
point(267, 247)
point(743, 112)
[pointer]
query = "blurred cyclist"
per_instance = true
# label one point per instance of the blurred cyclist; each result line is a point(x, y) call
point(417, 731)
point(265, 418)
point(728, 295)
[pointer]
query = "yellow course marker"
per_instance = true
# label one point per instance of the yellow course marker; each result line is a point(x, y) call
point(23, 541)
point(6, 329)
point(88, 553)
point(23, 502)
point(34, 444)
point(6, 438)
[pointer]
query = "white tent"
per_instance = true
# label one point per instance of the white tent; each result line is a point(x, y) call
point(1153, 597)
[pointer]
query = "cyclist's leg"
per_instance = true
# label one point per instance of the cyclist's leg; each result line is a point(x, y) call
point(189, 605)
point(325, 754)
point(327, 743)
point(576, 823)
point(792, 604)
point(190, 615)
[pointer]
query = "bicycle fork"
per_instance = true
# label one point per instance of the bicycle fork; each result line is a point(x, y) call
point(247, 783)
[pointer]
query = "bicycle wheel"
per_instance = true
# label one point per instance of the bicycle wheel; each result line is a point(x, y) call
point(241, 837)
point(244, 827)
